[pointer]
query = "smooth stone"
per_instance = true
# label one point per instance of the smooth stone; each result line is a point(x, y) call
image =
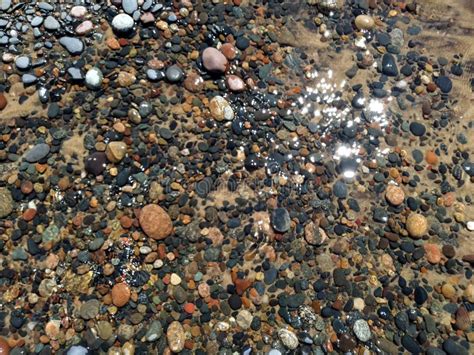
point(155, 222)
point(420, 295)
point(116, 151)
point(37, 153)
point(123, 23)
point(96, 163)
point(339, 189)
point(364, 22)
point(78, 11)
point(174, 73)
point(104, 330)
point(175, 336)
point(77, 350)
point(23, 62)
point(51, 24)
point(89, 309)
point(154, 332)
point(234, 83)
point(76, 74)
point(416, 225)
point(281, 220)
point(417, 129)
point(453, 348)
point(221, 109)
point(129, 6)
point(121, 294)
point(213, 60)
point(84, 27)
point(94, 78)
point(5, 4)
point(28, 79)
point(362, 330)
point(389, 65)
point(411, 345)
point(444, 83)
point(73, 45)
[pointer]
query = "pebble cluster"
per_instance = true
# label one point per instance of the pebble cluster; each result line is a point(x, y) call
point(202, 177)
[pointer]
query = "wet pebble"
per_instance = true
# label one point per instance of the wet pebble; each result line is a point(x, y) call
point(280, 220)
point(37, 153)
point(221, 109)
point(73, 45)
point(94, 78)
point(123, 23)
point(362, 330)
point(96, 163)
point(175, 336)
point(213, 60)
point(364, 22)
point(174, 74)
point(389, 65)
point(155, 222)
point(120, 294)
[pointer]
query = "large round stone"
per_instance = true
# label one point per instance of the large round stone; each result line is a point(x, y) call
point(155, 222)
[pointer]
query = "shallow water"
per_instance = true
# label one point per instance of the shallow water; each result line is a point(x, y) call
point(321, 204)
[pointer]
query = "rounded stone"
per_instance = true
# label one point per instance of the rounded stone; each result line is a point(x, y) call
point(123, 23)
point(281, 220)
point(121, 294)
point(89, 309)
point(221, 109)
point(38, 152)
point(175, 336)
point(432, 252)
point(155, 222)
point(174, 73)
point(395, 195)
point(234, 83)
point(4, 347)
point(6, 202)
point(95, 163)
point(416, 225)
point(116, 151)
point(362, 330)
point(94, 78)
point(213, 60)
point(364, 22)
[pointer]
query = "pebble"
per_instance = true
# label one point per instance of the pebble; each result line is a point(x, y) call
point(416, 225)
point(94, 78)
point(175, 336)
point(280, 220)
point(37, 153)
point(395, 195)
point(420, 295)
point(364, 22)
point(23, 62)
point(174, 74)
point(244, 319)
point(3, 101)
point(221, 109)
point(123, 23)
point(432, 252)
point(6, 202)
point(73, 45)
point(213, 60)
point(155, 222)
point(77, 350)
point(116, 151)
point(389, 65)
point(234, 83)
point(90, 309)
point(51, 24)
point(78, 11)
point(120, 294)
point(288, 338)
point(129, 6)
point(362, 330)
point(96, 163)
point(154, 332)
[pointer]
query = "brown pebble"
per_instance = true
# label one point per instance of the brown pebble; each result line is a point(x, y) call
point(120, 294)
point(433, 254)
point(395, 195)
point(26, 187)
point(29, 214)
point(448, 291)
point(229, 51)
point(155, 222)
point(431, 157)
point(4, 347)
point(449, 251)
point(3, 101)
point(416, 225)
point(463, 321)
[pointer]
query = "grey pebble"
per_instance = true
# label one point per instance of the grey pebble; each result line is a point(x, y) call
point(37, 153)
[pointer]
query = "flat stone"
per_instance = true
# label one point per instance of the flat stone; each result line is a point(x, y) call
point(73, 45)
point(23, 62)
point(37, 153)
point(51, 24)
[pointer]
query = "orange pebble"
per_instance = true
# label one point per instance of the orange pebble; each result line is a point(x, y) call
point(189, 308)
point(431, 157)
